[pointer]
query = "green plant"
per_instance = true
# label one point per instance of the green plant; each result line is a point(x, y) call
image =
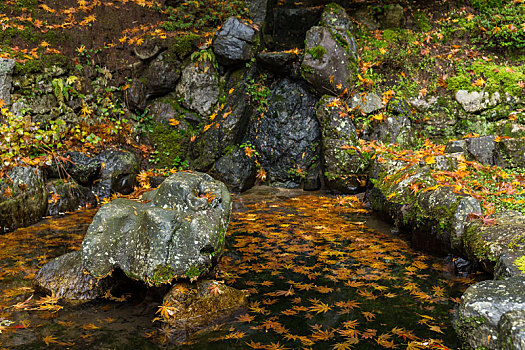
point(205, 56)
point(259, 93)
point(500, 27)
point(317, 52)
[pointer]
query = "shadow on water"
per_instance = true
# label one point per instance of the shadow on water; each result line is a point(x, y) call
point(323, 273)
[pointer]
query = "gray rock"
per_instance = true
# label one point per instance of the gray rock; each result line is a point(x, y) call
point(343, 164)
point(68, 196)
point(487, 244)
point(6, 71)
point(393, 16)
point(236, 170)
point(162, 111)
point(277, 62)
point(235, 42)
point(336, 19)
point(397, 126)
point(475, 101)
point(136, 95)
point(179, 232)
point(422, 104)
point(456, 146)
point(460, 219)
point(23, 198)
point(258, 10)
point(506, 266)
point(511, 153)
point(79, 166)
point(511, 328)
point(367, 103)
point(483, 305)
point(199, 87)
point(482, 149)
point(64, 278)
point(161, 76)
point(328, 66)
point(118, 173)
point(286, 136)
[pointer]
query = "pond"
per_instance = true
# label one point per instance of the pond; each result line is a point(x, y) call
point(318, 274)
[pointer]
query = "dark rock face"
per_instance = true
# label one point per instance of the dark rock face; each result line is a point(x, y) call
point(511, 153)
point(118, 173)
point(229, 125)
point(178, 233)
point(23, 198)
point(482, 149)
point(136, 95)
point(397, 127)
point(68, 196)
point(481, 310)
point(202, 305)
point(289, 25)
point(64, 277)
point(80, 167)
point(236, 170)
point(235, 42)
point(342, 163)
point(258, 10)
point(287, 136)
point(277, 62)
point(161, 76)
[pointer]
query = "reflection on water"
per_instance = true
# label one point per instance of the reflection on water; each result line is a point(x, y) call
point(318, 276)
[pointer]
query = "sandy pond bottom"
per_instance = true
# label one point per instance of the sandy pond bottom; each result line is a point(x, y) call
point(319, 276)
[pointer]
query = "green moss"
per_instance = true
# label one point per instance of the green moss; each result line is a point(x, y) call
point(520, 263)
point(497, 78)
point(334, 7)
point(317, 52)
point(169, 144)
point(185, 44)
point(193, 272)
point(162, 274)
point(422, 21)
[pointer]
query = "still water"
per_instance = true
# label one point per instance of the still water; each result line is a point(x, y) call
point(319, 277)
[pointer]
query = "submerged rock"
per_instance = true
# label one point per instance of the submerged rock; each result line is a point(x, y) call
point(481, 309)
point(179, 232)
point(64, 278)
point(68, 196)
point(23, 198)
point(202, 304)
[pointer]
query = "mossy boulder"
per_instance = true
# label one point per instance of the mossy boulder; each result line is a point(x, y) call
point(178, 232)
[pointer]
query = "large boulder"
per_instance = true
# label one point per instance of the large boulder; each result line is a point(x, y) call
point(343, 163)
point(235, 42)
point(67, 196)
point(6, 70)
point(287, 135)
point(118, 173)
point(199, 87)
point(202, 304)
point(178, 232)
point(161, 75)
point(330, 61)
point(481, 309)
point(23, 198)
point(64, 278)
point(500, 243)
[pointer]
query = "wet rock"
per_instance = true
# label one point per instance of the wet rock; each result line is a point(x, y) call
point(289, 25)
point(277, 62)
point(483, 305)
point(482, 149)
point(230, 124)
point(68, 196)
point(7, 67)
point(511, 153)
point(397, 126)
point(23, 198)
point(327, 65)
point(507, 265)
point(367, 103)
point(79, 166)
point(511, 328)
point(199, 87)
point(258, 10)
point(235, 42)
point(136, 95)
point(118, 173)
point(179, 232)
point(489, 243)
point(64, 278)
point(336, 19)
point(236, 170)
point(161, 76)
point(286, 136)
point(201, 305)
point(343, 164)
point(475, 101)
